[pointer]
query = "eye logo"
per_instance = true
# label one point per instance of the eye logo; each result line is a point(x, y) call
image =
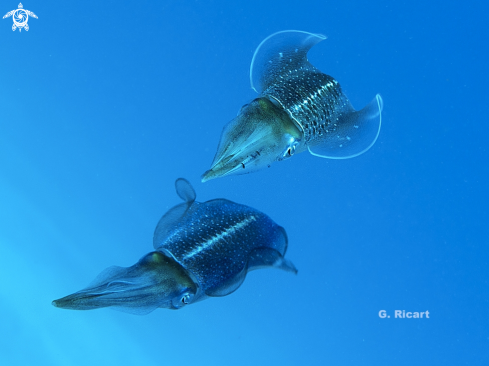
point(20, 17)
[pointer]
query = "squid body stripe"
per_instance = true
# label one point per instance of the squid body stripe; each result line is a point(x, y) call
point(215, 239)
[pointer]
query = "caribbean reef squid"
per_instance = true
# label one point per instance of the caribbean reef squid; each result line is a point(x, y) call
point(201, 250)
point(298, 108)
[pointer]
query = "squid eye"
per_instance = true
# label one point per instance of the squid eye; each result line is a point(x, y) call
point(182, 300)
point(185, 299)
point(291, 144)
point(289, 151)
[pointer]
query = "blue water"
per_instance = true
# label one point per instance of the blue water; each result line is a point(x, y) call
point(104, 104)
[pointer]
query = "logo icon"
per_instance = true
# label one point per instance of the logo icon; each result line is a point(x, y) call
point(20, 17)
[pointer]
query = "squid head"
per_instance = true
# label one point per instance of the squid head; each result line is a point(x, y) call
point(155, 281)
point(261, 133)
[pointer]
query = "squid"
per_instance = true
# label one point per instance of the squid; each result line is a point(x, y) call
point(298, 109)
point(201, 250)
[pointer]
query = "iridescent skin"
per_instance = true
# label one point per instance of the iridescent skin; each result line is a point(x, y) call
point(201, 250)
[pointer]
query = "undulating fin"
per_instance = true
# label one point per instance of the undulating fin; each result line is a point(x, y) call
point(269, 257)
point(185, 190)
point(229, 285)
point(355, 133)
point(173, 217)
point(273, 255)
point(280, 53)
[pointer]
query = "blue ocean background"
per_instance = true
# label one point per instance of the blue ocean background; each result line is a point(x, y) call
point(105, 104)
